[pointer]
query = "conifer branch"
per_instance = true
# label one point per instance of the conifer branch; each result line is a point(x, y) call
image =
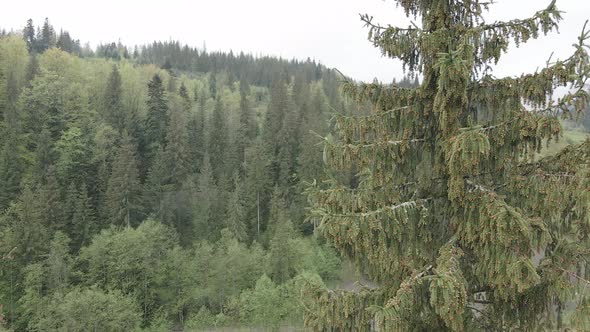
point(572, 274)
point(548, 18)
point(404, 205)
point(375, 115)
point(368, 20)
point(9, 256)
point(390, 142)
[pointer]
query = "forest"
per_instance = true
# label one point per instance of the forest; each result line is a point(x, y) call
point(164, 187)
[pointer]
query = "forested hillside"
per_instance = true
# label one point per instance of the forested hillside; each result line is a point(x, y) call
point(156, 187)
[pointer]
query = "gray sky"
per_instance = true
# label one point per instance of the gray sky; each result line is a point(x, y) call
point(327, 30)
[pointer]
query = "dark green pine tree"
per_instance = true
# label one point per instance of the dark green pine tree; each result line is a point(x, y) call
point(213, 85)
point(29, 36)
point(157, 117)
point(177, 151)
point(47, 38)
point(288, 140)
point(258, 187)
point(247, 129)
point(278, 108)
point(196, 136)
point(50, 202)
point(455, 217)
point(218, 143)
point(43, 156)
point(207, 217)
point(113, 107)
point(11, 168)
point(83, 224)
point(310, 163)
point(122, 199)
point(79, 215)
point(186, 100)
point(235, 212)
point(156, 187)
point(282, 253)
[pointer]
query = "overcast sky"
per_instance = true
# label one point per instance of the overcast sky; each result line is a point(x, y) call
point(328, 31)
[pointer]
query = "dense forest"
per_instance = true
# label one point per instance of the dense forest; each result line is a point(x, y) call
point(164, 187)
point(157, 187)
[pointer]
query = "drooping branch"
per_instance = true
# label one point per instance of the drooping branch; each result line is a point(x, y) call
point(535, 90)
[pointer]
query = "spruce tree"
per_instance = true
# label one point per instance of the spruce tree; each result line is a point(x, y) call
point(235, 215)
point(455, 217)
point(11, 169)
point(177, 152)
point(122, 199)
point(207, 196)
point(46, 38)
point(50, 203)
point(282, 254)
point(213, 85)
point(29, 35)
point(218, 141)
point(83, 223)
point(113, 108)
point(156, 186)
point(247, 129)
point(196, 135)
point(186, 100)
point(157, 116)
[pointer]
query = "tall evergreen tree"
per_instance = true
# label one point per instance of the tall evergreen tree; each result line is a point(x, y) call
point(258, 187)
point(122, 199)
point(177, 151)
point(462, 228)
point(29, 35)
point(218, 136)
point(278, 109)
point(282, 254)
point(157, 116)
point(113, 108)
point(157, 186)
point(247, 129)
point(186, 100)
point(50, 202)
point(213, 85)
point(206, 217)
point(47, 37)
point(196, 135)
point(11, 169)
point(235, 215)
point(83, 223)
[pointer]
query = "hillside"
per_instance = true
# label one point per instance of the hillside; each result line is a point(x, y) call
point(164, 182)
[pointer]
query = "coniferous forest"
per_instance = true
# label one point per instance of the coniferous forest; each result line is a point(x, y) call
point(164, 187)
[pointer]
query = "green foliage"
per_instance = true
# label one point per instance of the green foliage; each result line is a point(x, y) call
point(201, 320)
point(132, 261)
point(94, 143)
point(218, 141)
point(235, 212)
point(157, 115)
point(73, 156)
point(263, 306)
point(122, 200)
point(113, 110)
point(451, 214)
point(87, 310)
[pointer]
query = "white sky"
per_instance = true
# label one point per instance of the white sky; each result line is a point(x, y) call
point(328, 31)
